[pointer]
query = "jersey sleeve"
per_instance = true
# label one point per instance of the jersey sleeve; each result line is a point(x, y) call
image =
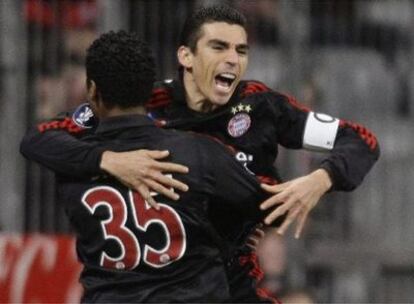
point(57, 145)
point(351, 148)
point(355, 152)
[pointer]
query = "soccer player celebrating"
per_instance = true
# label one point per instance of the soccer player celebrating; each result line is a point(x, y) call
point(131, 252)
point(210, 97)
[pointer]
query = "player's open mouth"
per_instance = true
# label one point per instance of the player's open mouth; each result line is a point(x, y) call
point(224, 81)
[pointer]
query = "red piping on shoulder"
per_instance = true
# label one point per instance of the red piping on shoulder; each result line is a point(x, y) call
point(66, 124)
point(253, 87)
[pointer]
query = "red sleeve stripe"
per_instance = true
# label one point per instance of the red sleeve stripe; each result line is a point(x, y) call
point(363, 132)
point(255, 272)
point(292, 100)
point(66, 124)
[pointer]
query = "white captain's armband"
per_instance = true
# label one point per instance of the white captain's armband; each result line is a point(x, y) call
point(320, 131)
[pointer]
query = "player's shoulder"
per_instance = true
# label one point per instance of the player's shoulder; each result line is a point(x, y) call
point(80, 121)
point(256, 91)
point(257, 88)
point(249, 87)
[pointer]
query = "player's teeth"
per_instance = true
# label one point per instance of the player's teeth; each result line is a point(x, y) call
point(226, 75)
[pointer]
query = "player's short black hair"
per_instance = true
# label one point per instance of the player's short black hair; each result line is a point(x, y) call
point(191, 31)
point(123, 68)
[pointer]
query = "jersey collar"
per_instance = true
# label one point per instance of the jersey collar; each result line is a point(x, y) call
point(179, 114)
point(122, 122)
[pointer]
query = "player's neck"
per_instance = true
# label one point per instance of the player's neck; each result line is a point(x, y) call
point(116, 111)
point(195, 99)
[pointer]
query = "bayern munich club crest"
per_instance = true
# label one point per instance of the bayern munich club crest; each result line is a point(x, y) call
point(239, 124)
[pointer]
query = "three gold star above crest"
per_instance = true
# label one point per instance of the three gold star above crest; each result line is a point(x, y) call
point(241, 108)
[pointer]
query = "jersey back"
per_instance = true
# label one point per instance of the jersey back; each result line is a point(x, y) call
point(170, 255)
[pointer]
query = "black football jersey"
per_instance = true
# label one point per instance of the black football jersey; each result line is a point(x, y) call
point(254, 123)
point(257, 119)
point(134, 253)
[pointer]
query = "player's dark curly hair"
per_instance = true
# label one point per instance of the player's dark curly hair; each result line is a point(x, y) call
point(191, 31)
point(123, 68)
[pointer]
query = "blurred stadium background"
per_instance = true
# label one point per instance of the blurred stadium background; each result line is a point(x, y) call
point(352, 59)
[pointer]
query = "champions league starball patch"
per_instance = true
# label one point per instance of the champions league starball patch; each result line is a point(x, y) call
point(239, 124)
point(83, 116)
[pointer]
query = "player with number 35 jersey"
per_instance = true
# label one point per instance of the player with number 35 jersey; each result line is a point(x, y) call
point(134, 253)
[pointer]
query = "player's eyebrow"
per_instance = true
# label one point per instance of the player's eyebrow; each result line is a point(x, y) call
point(218, 42)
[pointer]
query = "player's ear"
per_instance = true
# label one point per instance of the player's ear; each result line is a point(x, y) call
point(92, 93)
point(185, 56)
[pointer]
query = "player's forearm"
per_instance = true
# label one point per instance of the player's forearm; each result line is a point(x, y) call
point(61, 152)
point(351, 159)
point(107, 162)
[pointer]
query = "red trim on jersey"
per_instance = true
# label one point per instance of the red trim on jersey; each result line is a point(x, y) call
point(160, 97)
point(66, 124)
point(363, 132)
point(257, 273)
point(156, 91)
point(293, 101)
point(156, 103)
point(251, 257)
point(253, 87)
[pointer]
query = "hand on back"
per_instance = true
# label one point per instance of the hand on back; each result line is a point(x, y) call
point(142, 171)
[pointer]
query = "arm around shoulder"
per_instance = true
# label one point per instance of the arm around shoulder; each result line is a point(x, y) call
point(56, 144)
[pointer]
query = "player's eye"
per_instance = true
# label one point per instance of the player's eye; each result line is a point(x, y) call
point(218, 47)
point(242, 50)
